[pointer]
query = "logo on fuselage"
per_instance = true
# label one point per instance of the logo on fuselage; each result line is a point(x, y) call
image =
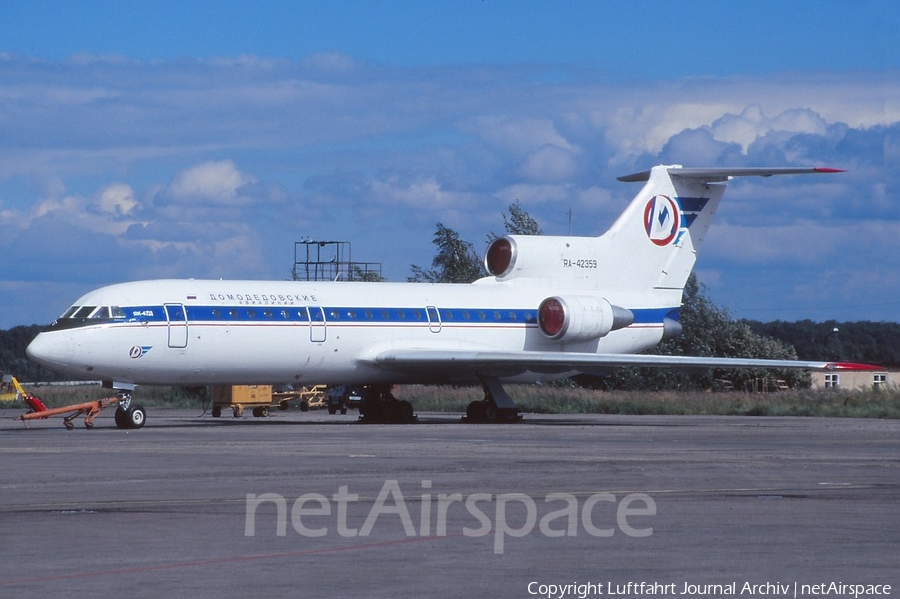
point(139, 350)
point(662, 219)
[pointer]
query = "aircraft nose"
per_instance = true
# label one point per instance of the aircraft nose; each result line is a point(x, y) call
point(52, 351)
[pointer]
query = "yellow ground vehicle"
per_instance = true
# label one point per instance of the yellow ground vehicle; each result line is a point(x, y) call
point(262, 397)
point(237, 397)
point(10, 389)
point(307, 398)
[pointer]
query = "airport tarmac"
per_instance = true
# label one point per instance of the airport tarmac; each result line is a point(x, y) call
point(307, 504)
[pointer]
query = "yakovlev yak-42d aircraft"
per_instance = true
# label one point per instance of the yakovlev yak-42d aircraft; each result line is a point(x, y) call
point(551, 306)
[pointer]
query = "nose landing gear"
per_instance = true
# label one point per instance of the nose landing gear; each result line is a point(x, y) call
point(129, 416)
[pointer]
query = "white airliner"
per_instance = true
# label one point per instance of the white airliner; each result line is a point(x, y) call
point(550, 307)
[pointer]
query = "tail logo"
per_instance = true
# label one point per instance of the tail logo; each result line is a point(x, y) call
point(662, 219)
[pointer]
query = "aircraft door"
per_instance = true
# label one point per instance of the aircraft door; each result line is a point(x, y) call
point(316, 324)
point(178, 326)
point(434, 319)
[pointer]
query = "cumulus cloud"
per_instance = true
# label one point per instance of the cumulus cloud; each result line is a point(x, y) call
point(212, 183)
point(518, 136)
point(117, 199)
point(549, 163)
point(752, 124)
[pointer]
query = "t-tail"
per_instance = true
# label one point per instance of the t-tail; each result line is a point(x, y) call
point(656, 240)
point(650, 249)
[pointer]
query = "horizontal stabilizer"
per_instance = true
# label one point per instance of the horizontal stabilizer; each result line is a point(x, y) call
point(714, 174)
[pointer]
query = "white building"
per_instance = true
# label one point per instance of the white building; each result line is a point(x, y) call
point(855, 379)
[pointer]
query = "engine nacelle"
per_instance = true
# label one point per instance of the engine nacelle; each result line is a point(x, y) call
point(524, 256)
point(581, 318)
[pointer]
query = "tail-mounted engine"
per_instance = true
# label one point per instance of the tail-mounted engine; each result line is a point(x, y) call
point(540, 256)
point(581, 318)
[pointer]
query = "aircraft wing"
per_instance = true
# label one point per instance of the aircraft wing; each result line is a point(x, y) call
point(503, 364)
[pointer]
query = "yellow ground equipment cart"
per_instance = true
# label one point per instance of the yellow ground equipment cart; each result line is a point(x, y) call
point(261, 398)
point(238, 397)
point(10, 389)
point(306, 398)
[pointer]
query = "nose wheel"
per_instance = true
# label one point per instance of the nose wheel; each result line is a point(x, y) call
point(129, 415)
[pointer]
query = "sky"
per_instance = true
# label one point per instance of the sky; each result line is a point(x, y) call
point(145, 140)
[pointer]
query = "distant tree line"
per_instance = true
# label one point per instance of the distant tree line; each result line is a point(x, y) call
point(864, 341)
point(13, 359)
point(707, 331)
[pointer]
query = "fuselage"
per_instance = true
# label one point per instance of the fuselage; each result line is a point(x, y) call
point(199, 332)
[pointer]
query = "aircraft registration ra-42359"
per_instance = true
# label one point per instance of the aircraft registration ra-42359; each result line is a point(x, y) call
point(551, 306)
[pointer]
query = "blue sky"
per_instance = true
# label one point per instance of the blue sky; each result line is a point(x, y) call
point(185, 139)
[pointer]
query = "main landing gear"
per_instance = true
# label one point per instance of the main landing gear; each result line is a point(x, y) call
point(497, 405)
point(380, 406)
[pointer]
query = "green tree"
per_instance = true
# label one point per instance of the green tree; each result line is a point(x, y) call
point(519, 222)
point(13, 359)
point(708, 330)
point(861, 341)
point(358, 273)
point(455, 261)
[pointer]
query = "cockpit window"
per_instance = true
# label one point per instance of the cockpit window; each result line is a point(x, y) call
point(78, 316)
point(84, 311)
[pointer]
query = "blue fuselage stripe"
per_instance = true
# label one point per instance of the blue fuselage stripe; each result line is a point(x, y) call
point(334, 315)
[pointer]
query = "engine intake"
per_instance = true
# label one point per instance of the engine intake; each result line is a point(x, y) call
point(581, 318)
point(500, 257)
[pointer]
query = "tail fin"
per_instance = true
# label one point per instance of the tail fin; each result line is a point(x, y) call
point(654, 243)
